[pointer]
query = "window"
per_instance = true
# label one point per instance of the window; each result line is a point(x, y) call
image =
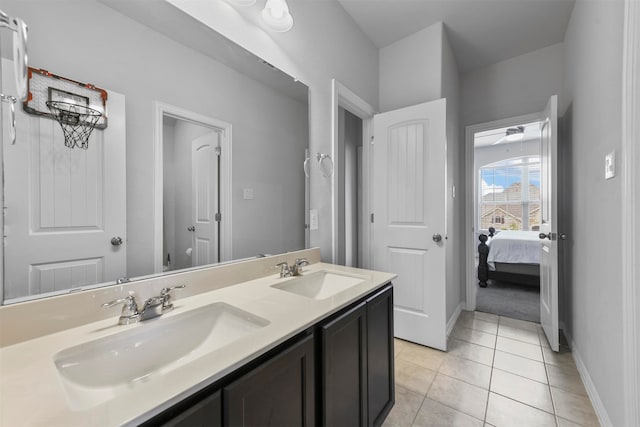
point(510, 194)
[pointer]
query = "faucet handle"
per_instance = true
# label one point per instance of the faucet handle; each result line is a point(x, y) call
point(129, 308)
point(165, 293)
point(285, 271)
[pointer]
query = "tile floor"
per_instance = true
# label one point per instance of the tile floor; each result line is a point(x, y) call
point(498, 372)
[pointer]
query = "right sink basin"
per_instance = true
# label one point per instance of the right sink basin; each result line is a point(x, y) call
point(320, 285)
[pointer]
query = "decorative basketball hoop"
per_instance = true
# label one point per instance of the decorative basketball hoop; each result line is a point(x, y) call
point(77, 122)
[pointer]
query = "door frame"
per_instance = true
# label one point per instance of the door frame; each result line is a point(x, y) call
point(225, 129)
point(341, 96)
point(470, 207)
point(630, 156)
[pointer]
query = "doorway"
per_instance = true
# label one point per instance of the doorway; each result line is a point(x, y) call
point(191, 194)
point(193, 197)
point(349, 187)
point(503, 204)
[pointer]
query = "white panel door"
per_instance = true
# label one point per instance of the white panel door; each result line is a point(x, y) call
point(549, 225)
point(409, 192)
point(63, 206)
point(205, 190)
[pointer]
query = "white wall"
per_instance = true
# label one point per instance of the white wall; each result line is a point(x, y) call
point(411, 69)
point(593, 82)
point(125, 56)
point(314, 52)
point(514, 87)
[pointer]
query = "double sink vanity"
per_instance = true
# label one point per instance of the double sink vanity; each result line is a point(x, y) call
point(251, 343)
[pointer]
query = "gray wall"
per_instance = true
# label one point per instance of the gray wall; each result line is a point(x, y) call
point(514, 87)
point(593, 83)
point(126, 57)
point(450, 83)
point(411, 69)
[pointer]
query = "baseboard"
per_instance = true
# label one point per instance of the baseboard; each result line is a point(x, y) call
point(598, 406)
point(454, 318)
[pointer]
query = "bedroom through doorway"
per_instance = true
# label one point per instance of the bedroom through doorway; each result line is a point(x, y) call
point(507, 212)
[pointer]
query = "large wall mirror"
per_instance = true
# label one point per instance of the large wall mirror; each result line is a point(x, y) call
point(201, 160)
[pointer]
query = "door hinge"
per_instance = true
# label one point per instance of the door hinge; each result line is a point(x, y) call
point(373, 138)
point(218, 151)
point(218, 217)
point(372, 218)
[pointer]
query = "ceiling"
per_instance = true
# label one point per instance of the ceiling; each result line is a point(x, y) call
point(481, 32)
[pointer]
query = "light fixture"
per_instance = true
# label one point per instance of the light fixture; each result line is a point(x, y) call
point(515, 134)
point(276, 15)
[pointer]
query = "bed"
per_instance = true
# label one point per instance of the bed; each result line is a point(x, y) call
point(509, 256)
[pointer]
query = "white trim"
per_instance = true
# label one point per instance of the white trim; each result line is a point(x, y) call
point(454, 318)
point(469, 230)
point(596, 402)
point(341, 96)
point(630, 156)
point(225, 129)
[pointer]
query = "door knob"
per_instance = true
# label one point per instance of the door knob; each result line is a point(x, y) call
point(116, 241)
point(192, 228)
point(437, 238)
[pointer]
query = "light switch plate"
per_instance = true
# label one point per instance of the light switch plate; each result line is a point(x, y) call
point(313, 219)
point(248, 194)
point(610, 165)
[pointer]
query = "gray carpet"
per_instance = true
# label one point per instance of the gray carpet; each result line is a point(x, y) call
point(511, 300)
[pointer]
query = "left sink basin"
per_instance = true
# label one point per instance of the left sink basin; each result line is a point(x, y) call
point(152, 347)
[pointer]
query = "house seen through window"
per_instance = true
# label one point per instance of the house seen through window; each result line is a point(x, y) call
point(510, 194)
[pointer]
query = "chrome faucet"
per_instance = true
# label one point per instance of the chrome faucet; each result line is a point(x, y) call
point(152, 307)
point(285, 271)
point(296, 268)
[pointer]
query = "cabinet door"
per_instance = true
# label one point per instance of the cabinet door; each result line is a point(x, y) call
point(344, 369)
point(380, 379)
point(206, 413)
point(279, 392)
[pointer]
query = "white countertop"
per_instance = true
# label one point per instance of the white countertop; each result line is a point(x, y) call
point(32, 392)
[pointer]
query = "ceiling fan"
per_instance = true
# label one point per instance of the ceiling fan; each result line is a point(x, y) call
point(512, 135)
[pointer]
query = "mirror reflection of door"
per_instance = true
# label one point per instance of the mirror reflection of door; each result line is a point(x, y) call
point(60, 216)
point(205, 197)
point(191, 199)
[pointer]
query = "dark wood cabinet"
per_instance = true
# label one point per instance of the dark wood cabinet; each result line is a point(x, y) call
point(380, 354)
point(357, 364)
point(206, 413)
point(280, 392)
point(339, 372)
point(344, 369)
